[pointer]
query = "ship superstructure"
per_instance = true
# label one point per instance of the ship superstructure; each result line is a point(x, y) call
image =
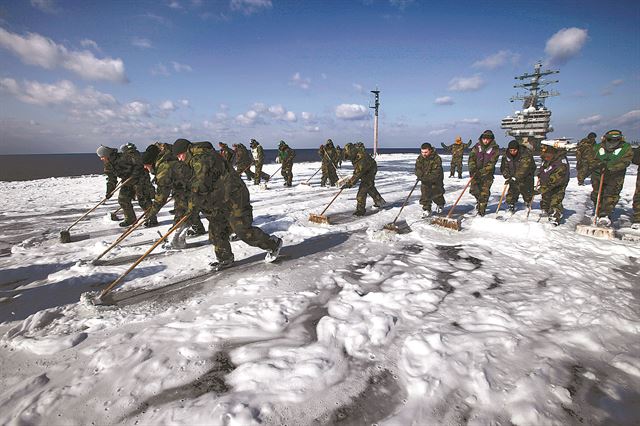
point(530, 125)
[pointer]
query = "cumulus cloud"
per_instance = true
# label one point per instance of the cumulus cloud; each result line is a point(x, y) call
point(60, 93)
point(178, 67)
point(47, 6)
point(565, 44)
point(89, 43)
point(470, 120)
point(359, 88)
point(438, 132)
point(142, 43)
point(249, 118)
point(307, 116)
point(444, 100)
point(249, 7)
point(631, 118)
point(352, 112)
point(497, 60)
point(590, 121)
point(168, 106)
point(280, 113)
point(34, 49)
point(466, 84)
point(298, 81)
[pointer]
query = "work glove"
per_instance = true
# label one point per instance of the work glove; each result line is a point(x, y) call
point(278, 160)
point(108, 195)
point(347, 184)
point(511, 181)
point(536, 191)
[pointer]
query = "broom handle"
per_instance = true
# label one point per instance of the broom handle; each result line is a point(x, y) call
point(307, 181)
point(331, 202)
point(405, 201)
point(595, 218)
point(141, 258)
point(334, 166)
point(504, 190)
point(246, 168)
point(99, 204)
point(127, 232)
point(274, 173)
point(118, 210)
point(459, 197)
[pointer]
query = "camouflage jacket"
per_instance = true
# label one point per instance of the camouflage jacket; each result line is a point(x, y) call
point(328, 154)
point(585, 151)
point(554, 173)
point(123, 166)
point(518, 167)
point(258, 154)
point(226, 153)
point(362, 164)
point(206, 168)
point(636, 157)
point(615, 162)
point(429, 170)
point(243, 159)
point(286, 156)
point(457, 149)
point(482, 160)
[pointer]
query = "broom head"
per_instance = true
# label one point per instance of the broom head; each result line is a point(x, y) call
point(596, 232)
point(65, 237)
point(447, 222)
point(319, 218)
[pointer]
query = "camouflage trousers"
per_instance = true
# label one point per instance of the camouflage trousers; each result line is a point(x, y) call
point(611, 189)
point(636, 201)
point(287, 174)
point(480, 188)
point(524, 188)
point(246, 169)
point(551, 202)
point(328, 173)
point(143, 192)
point(456, 164)
point(181, 207)
point(583, 170)
point(431, 192)
point(367, 187)
point(236, 216)
point(259, 175)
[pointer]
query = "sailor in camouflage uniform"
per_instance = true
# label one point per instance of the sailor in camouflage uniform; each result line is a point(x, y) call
point(585, 154)
point(258, 157)
point(172, 179)
point(123, 166)
point(457, 152)
point(364, 170)
point(286, 156)
point(429, 172)
point(226, 152)
point(225, 199)
point(612, 157)
point(243, 160)
point(518, 168)
point(329, 157)
point(482, 164)
point(553, 175)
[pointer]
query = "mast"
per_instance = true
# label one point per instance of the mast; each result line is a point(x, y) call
point(375, 107)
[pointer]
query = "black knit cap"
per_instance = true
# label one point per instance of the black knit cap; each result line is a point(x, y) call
point(180, 146)
point(487, 134)
point(150, 154)
point(591, 135)
point(513, 144)
point(426, 145)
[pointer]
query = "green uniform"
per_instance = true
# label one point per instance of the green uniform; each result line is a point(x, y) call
point(364, 170)
point(554, 178)
point(243, 161)
point(123, 166)
point(613, 160)
point(429, 172)
point(636, 195)
point(518, 170)
point(225, 200)
point(482, 164)
point(226, 152)
point(258, 158)
point(329, 157)
point(286, 156)
point(457, 152)
point(585, 155)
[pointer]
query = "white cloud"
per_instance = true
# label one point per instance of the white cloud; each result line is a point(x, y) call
point(617, 82)
point(178, 67)
point(438, 132)
point(160, 69)
point(471, 120)
point(401, 4)
point(174, 4)
point(142, 43)
point(297, 80)
point(280, 113)
point(249, 7)
point(565, 44)
point(306, 116)
point(136, 108)
point(313, 129)
point(89, 43)
point(359, 88)
point(631, 118)
point(184, 102)
point(249, 118)
point(590, 121)
point(444, 100)
point(497, 60)
point(34, 49)
point(48, 6)
point(466, 84)
point(352, 112)
point(60, 93)
point(168, 106)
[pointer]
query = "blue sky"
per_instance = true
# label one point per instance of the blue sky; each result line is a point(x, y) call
point(76, 74)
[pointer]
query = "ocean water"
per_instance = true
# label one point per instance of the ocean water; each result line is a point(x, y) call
point(41, 166)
